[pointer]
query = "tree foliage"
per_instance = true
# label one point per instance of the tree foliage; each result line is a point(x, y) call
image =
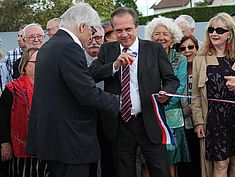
point(103, 7)
point(128, 3)
point(14, 13)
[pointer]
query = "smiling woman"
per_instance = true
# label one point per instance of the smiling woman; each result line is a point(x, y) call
point(214, 122)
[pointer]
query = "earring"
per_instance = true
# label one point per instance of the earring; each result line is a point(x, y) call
point(211, 45)
point(228, 47)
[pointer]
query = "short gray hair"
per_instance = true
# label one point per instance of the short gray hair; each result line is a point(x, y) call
point(29, 25)
point(100, 29)
point(168, 23)
point(56, 20)
point(79, 13)
point(186, 18)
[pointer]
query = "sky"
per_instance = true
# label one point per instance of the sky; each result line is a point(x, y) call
point(144, 5)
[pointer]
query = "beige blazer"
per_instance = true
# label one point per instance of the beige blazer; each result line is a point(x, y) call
point(200, 106)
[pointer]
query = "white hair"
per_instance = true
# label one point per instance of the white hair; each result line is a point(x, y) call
point(29, 25)
point(186, 18)
point(79, 13)
point(100, 29)
point(168, 23)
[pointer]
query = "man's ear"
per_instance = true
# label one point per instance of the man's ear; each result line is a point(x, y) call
point(192, 29)
point(82, 27)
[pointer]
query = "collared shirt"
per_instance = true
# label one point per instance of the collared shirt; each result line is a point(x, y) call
point(134, 86)
point(72, 36)
point(6, 66)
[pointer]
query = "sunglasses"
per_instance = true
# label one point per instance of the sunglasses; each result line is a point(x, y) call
point(218, 30)
point(190, 47)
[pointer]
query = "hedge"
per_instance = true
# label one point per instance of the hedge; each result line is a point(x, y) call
point(200, 14)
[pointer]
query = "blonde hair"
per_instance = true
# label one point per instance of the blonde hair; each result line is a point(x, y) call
point(25, 58)
point(228, 21)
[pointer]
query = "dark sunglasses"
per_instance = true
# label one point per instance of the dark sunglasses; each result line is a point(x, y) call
point(190, 47)
point(218, 30)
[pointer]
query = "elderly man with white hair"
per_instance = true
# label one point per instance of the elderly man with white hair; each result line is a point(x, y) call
point(33, 37)
point(62, 124)
point(186, 23)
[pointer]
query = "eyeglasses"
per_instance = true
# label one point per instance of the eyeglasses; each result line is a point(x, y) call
point(33, 37)
point(190, 47)
point(31, 61)
point(218, 30)
point(97, 38)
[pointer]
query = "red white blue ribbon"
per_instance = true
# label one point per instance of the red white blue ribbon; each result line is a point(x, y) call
point(167, 136)
point(195, 97)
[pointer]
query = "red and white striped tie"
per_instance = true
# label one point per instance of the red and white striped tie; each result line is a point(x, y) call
point(125, 92)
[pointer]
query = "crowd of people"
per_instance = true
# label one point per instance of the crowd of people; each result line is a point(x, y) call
point(81, 103)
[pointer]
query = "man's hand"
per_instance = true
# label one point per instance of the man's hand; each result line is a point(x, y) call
point(230, 82)
point(162, 98)
point(123, 59)
point(199, 130)
point(6, 151)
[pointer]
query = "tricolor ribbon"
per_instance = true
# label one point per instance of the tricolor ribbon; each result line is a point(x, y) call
point(195, 97)
point(167, 136)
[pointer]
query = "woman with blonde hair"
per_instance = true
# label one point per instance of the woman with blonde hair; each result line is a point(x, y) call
point(214, 121)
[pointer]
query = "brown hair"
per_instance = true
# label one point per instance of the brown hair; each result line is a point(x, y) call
point(195, 41)
point(123, 11)
point(25, 58)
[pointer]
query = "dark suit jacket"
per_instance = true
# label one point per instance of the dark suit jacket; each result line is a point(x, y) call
point(62, 125)
point(154, 68)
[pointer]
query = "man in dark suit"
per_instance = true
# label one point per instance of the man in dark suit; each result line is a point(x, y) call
point(150, 72)
point(62, 125)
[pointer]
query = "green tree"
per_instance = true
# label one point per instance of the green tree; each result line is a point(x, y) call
point(103, 7)
point(128, 3)
point(16, 12)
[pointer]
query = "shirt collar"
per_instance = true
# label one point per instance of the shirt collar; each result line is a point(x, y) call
point(133, 47)
point(72, 36)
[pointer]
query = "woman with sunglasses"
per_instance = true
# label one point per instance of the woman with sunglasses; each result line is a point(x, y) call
point(189, 48)
point(215, 121)
point(15, 105)
point(165, 31)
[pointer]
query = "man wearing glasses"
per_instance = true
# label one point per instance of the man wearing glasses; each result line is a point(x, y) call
point(33, 36)
point(93, 47)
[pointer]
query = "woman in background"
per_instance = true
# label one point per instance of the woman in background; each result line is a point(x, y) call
point(214, 121)
point(15, 105)
point(189, 48)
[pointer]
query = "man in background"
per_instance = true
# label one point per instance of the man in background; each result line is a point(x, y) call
point(52, 26)
point(93, 47)
point(10, 58)
point(186, 23)
point(33, 36)
point(109, 32)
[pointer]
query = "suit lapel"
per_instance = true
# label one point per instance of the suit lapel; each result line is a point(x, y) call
point(141, 58)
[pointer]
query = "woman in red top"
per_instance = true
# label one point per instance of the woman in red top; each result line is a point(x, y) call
point(15, 104)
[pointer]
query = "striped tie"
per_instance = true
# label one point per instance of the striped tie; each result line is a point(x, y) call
point(125, 92)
